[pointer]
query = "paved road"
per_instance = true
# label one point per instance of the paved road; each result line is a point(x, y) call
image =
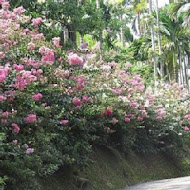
point(182, 183)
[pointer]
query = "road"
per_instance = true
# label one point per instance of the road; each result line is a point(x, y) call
point(182, 183)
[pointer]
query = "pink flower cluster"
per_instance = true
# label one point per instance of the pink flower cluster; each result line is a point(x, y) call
point(56, 42)
point(29, 150)
point(3, 74)
point(37, 97)
point(16, 128)
point(77, 102)
point(64, 122)
point(36, 21)
point(74, 59)
point(187, 117)
point(48, 55)
point(161, 113)
point(31, 118)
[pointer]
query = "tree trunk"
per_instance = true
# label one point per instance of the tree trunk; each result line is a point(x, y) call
point(153, 42)
point(159, 39)
point(98, 4)
point(122, 32)
point(101, 34)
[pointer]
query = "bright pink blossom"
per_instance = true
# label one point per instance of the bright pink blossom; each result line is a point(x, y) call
point(37, 97)
point(80, 79)
point(31, 118)
point(108, 111)
point(140, 118)
point(77, 102)
point(36, 21)
point(187, 116)
point(18, 67)
point(5, 114)
point(186, 128)
point(74, 59)
point(64, 122)
point(85, 98)
point(16, 128)
point(127, 120)
point(2, 98)
point(48, 58)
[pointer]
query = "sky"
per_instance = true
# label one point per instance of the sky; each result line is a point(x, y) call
point(161, 3)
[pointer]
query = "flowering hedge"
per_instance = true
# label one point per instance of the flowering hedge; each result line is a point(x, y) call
point(54, 107)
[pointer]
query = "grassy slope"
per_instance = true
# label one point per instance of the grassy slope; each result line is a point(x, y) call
point(109, 170)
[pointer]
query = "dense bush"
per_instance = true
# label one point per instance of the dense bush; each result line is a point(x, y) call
point(54, 106)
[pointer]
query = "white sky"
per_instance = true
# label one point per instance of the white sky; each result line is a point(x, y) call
point(162, 3)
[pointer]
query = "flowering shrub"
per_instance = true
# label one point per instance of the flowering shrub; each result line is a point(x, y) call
point(53, 108)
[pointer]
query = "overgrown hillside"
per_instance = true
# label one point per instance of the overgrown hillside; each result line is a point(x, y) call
point(110, 170)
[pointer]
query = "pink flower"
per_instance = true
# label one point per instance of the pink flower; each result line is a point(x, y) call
point(74, 59)
point(4, 121)
point(29, 150)
point(56, 42)
point(5, 114)
point(21, 83)
point(18, 67)
point(16, 128)
point(36, 21)
point(19, 10)
point(77, 102)
point(162, 113)
point(64, 122)
point(159, 118)
point(2, 55)
point(80, 79)
point(31, 118)
point(2, 98)
point(186, 128)
point(85, 98)
point(5, 5)
point(37, 97)
point(109, 111)
point(127, 120)
point(3, 74)
point(114, 121)
point(187, 117)
point(133, 104)
point(140, 118)
point(49, 58)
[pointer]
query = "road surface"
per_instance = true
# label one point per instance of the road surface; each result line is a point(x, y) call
point(182, 183)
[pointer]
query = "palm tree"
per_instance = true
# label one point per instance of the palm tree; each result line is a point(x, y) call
point(175, 45)
point(182, 8)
